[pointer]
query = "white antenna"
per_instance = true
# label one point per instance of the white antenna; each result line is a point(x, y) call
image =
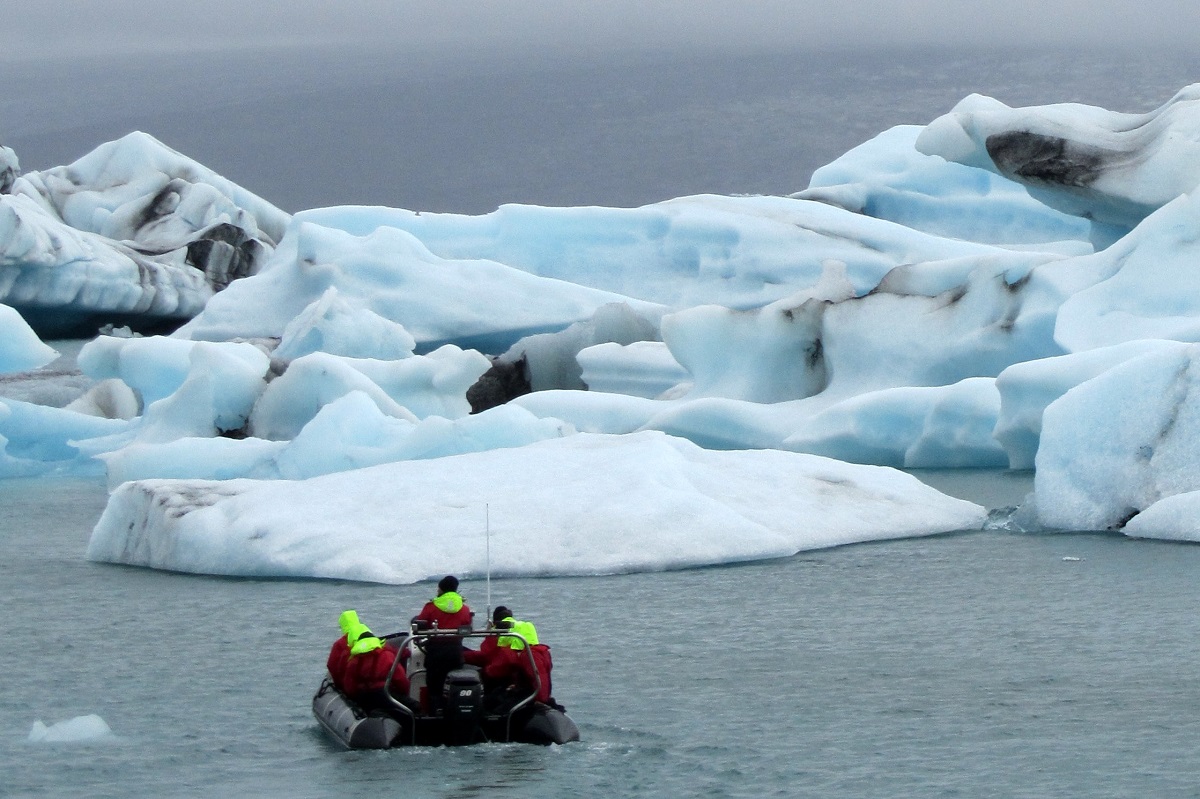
point(487, 526)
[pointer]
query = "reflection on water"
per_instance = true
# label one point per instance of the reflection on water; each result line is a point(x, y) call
point(491, 769)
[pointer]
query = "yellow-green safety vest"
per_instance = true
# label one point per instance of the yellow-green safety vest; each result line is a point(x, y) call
point(525, 629)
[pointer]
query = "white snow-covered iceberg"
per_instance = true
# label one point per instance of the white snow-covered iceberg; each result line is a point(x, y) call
point(994, 288)
point(387, 271)
point(133, 230)
point(10, 168)
point(81, 729)
point(739, 252)
point(1117, 444)
point(20, 348)
point(36, 439)
point(424, 385)
point(1026, 389)
point(888, 178)
point(1146, 286)
point(583, 504)
point(1084, 160)
point(350, 432)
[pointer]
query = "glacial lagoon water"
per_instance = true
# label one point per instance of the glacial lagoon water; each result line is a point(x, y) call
point(463, 132)
point(979, 664)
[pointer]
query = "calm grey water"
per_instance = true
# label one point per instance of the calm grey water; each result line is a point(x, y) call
point(976, 665)
point(464, 132)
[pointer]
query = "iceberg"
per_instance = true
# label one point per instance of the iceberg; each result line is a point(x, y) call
point(1028, 388)
point(80, 729)
point(337, 326)
point(1172, 518)
point(640, 369)
point(20, 347)
point(469, 302)
point(1121, 442)
point(10, 168)
point(583, 504)
point(133, 231)
point(941, 427)
point(738, 252)
point(1145, 285)
point(889, 178)
point(1083, 160)
point(37, 439)
point(1000, 287)
point(411, 388)
point(350, 432)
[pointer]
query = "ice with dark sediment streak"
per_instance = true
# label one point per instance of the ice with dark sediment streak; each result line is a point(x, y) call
point(1086, 161)
point(133, 230)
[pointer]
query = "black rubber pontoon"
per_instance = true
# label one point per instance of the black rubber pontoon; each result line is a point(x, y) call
point(348, 723)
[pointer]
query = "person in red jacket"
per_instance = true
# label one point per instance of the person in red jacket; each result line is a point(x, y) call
point(366, 677)
point(509, 668)
point(339, 653)
point(446, 611)
point(487, 650)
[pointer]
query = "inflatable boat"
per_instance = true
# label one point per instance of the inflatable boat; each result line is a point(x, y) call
point(466, 716)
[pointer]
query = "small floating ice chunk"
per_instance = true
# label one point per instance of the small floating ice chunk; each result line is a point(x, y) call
point(1071, 559)
point(80, 728)
point(20, 348)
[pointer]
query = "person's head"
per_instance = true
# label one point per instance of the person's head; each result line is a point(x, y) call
point(524, 629)
point(447, 584)
point(357, 632)
point(348, 621)
point(365, 641)
point(500, 614)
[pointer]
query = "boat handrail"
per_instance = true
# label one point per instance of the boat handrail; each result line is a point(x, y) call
point(411, 636)
point(400, 706)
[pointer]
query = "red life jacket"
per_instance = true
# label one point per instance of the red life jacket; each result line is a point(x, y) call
point(512, 666)
point(452, 613)
point(367, 672)
point(339, 654)
point(541, 657)
point(482, 656)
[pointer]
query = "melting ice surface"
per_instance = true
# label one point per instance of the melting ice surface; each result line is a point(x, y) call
point(702, 380)
point(583, 504)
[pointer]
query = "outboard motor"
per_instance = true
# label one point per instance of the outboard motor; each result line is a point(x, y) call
point(463, 694)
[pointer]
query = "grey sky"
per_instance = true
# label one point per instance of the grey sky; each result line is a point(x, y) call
point(91, 26)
